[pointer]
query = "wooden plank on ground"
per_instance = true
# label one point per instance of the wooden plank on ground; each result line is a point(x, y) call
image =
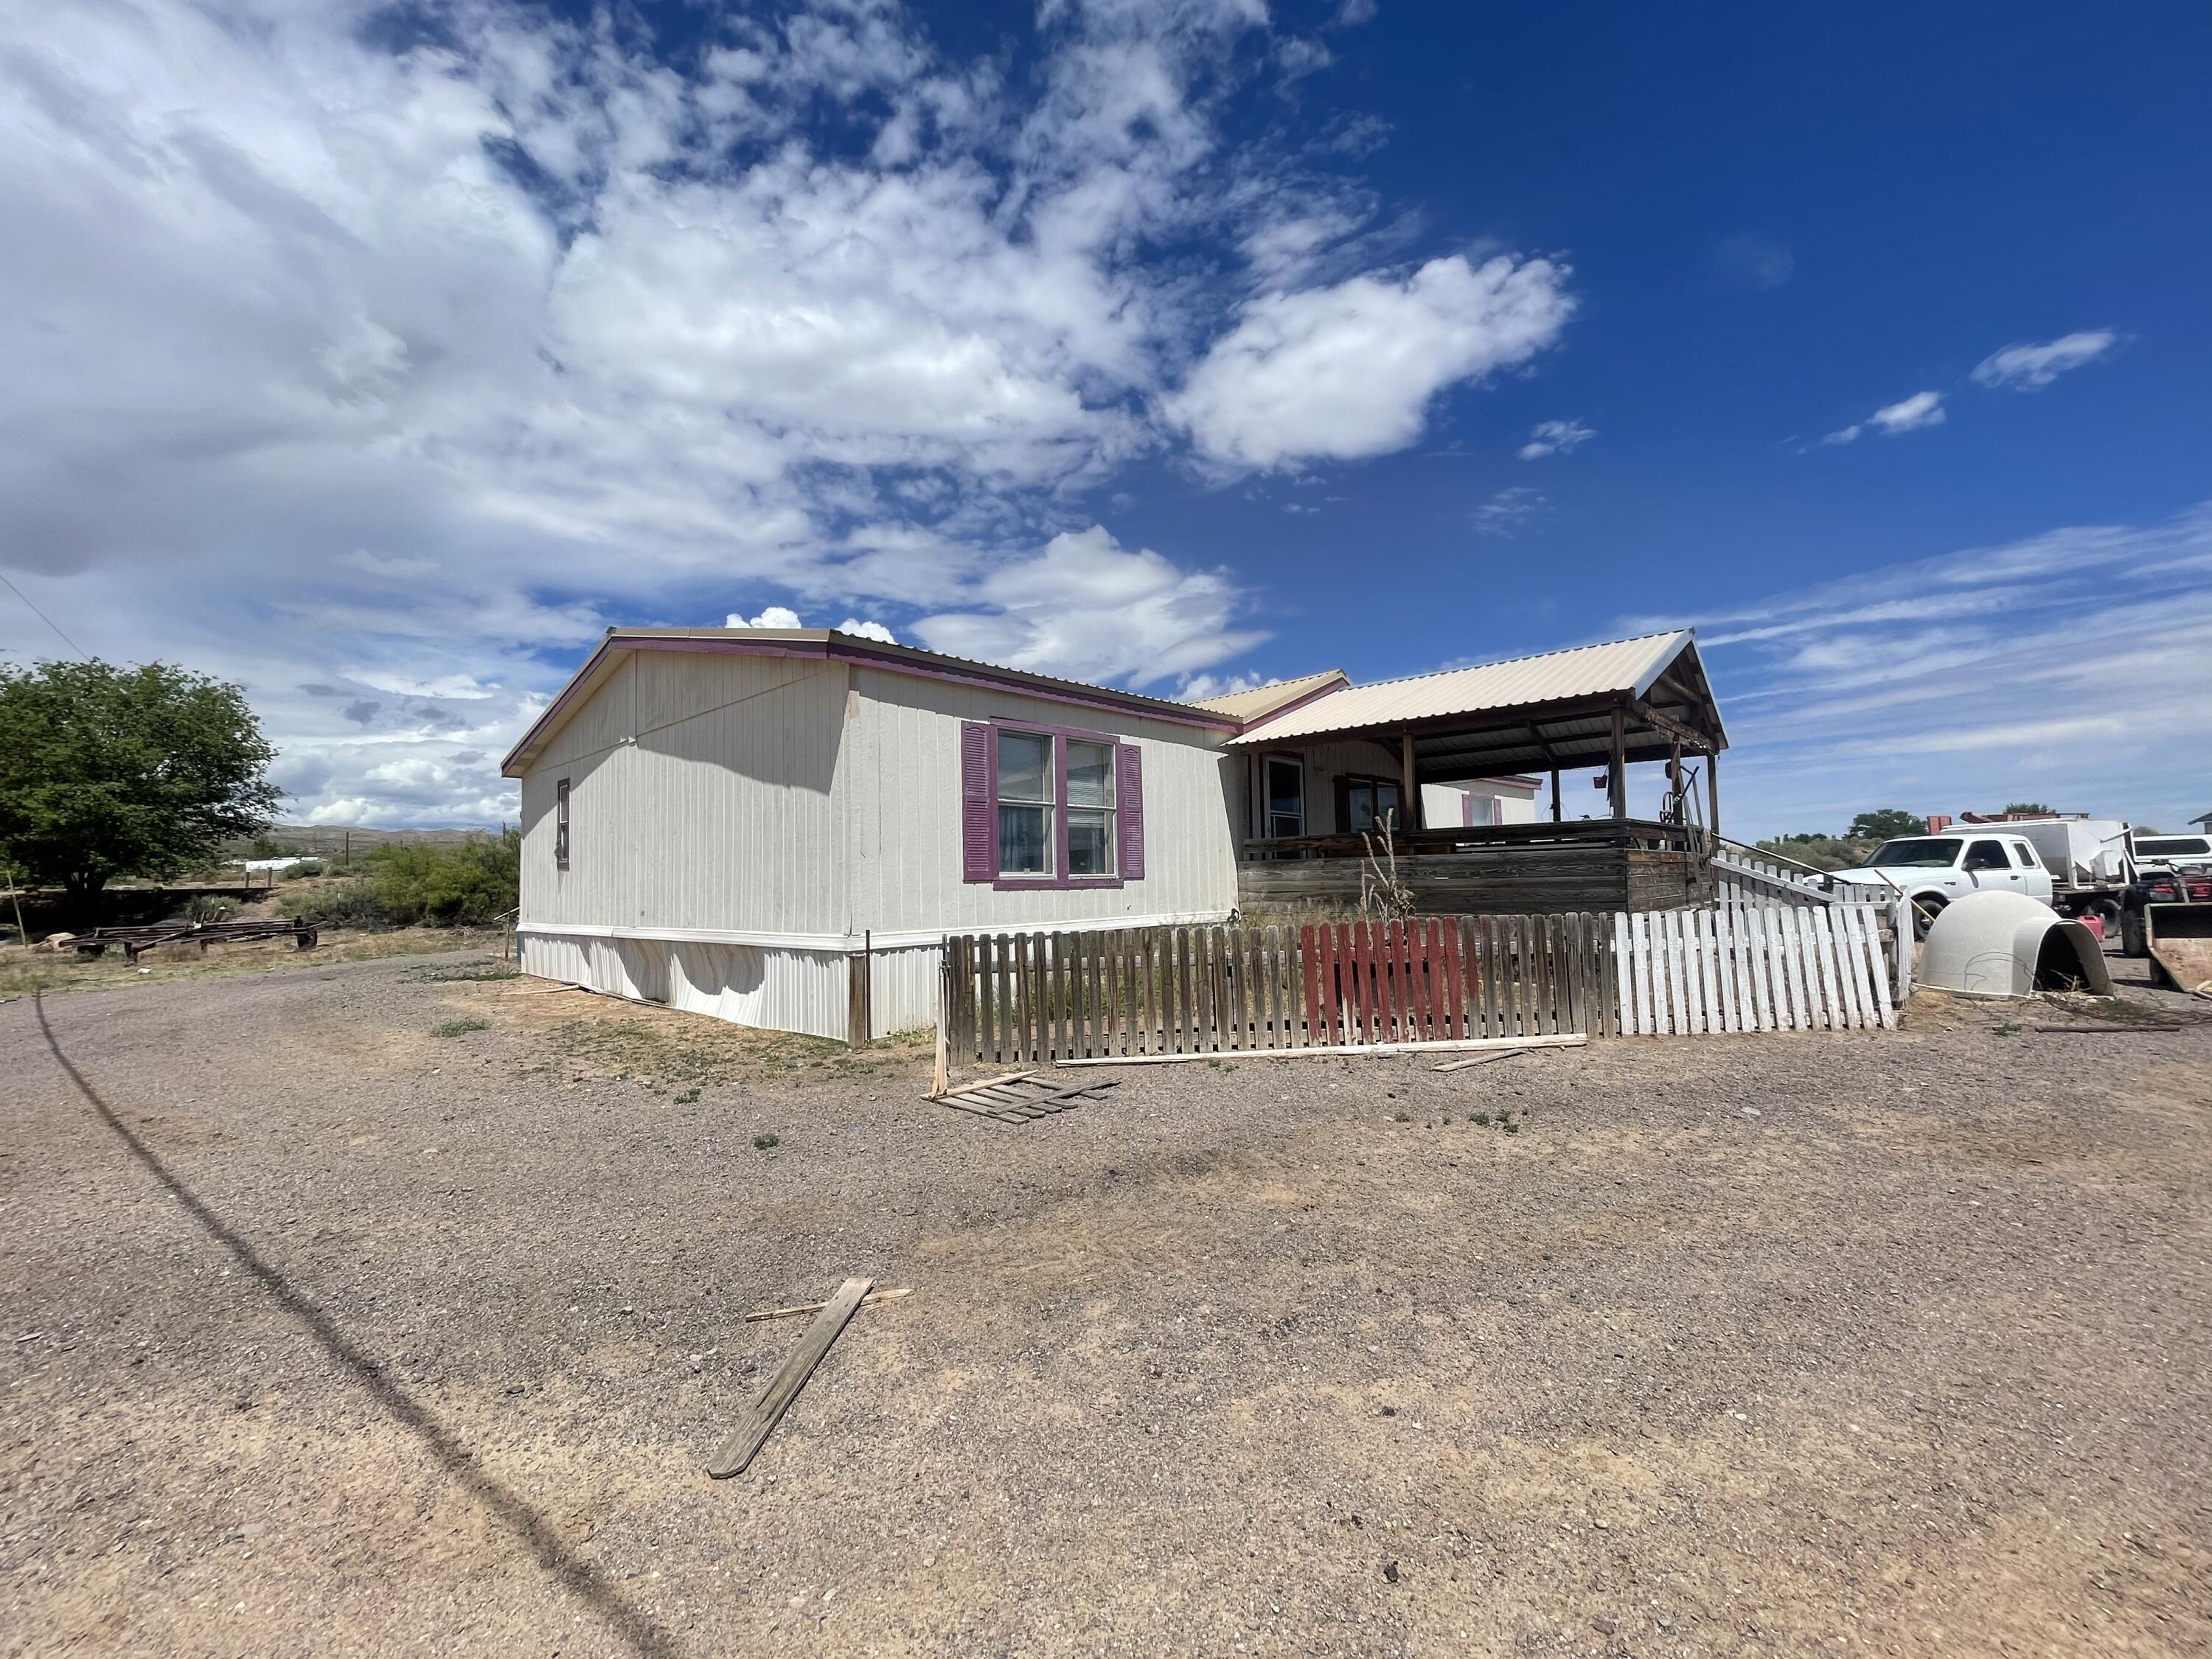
point(1499, 1047)
point(868, 1301)
point(1565, 1040)
point(752, 1432)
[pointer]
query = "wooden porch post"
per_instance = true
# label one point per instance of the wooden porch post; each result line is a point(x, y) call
point(1675, 782)
point(1713, 794)
point(1410, 794)
point(1555, 795)
point(1617, 785)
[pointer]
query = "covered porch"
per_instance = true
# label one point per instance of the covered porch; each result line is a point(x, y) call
point(1402, 766)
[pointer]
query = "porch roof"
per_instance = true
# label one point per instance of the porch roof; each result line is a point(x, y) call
point(1529, 713)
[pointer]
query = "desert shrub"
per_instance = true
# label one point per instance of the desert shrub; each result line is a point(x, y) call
point(466, 885)
point(1821, 851)
point(305, 867)
point(342, 904)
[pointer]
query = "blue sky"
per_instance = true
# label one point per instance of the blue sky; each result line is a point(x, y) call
point(380, 358)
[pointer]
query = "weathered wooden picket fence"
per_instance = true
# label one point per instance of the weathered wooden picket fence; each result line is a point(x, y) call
point(1012, 997)
point(1754, 967)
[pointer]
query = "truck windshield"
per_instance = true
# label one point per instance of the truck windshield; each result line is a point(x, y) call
point(1931, 853)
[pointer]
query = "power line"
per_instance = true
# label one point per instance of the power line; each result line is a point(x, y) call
point(44, 618)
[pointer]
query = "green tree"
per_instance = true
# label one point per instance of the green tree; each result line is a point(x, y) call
point(108, 771)
point(1885, 823)
point(2033, 808)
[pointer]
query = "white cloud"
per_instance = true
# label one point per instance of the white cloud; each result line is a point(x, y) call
point(1555, 438)
point(1348, 371)
point(1506, 512)
point(1199, 688)
point(1907, 415)
point(2072, 666)
point(1083, 606)
point(1910, 414)
point(434, 358)
point(867, 630)
point(2030, 367)
point(776, 615)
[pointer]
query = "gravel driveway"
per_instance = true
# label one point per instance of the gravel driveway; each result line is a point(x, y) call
point(329, 1334)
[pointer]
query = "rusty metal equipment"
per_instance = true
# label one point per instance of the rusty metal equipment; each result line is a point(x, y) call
point(2180, 940)
point(304, 935)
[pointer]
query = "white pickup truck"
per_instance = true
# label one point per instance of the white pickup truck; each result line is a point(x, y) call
point(1932, 870)
point(2173, 852)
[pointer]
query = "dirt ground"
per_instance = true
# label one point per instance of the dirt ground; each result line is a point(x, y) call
point(382, 1308)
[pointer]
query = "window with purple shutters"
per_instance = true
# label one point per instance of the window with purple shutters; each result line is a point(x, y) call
point(1046, 807)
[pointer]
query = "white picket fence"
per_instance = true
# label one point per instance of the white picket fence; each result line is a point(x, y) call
point(1745, 876)
point(1755, 968)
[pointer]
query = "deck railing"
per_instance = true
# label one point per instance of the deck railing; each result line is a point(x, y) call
point(1646, 833)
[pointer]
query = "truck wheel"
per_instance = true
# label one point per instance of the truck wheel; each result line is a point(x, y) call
point(2133, 941)
point(1926, 907)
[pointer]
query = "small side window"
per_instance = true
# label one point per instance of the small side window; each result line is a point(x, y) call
point(2024, 855)
point(561, 824)
point(1986, 855)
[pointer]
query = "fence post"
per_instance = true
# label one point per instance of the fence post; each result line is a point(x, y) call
point(1904, 952)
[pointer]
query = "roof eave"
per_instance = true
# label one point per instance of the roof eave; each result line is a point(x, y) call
point(849, 648)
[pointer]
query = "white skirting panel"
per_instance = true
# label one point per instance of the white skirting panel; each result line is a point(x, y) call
point(903, 989)
point(774, 989)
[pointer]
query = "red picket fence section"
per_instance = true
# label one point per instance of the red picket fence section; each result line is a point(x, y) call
point(1378, 982)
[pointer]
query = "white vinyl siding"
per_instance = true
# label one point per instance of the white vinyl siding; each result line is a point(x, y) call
point(901, 787)
point(704, 800)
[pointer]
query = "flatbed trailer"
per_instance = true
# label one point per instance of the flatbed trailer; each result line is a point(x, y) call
point(305, 935)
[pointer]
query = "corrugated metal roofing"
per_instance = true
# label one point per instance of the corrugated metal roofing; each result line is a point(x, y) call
point(1261, 699)
point(1588, 671)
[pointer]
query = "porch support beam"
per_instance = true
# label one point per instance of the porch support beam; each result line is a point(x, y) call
point(1555, 795)
point(1713, 793)
point(1411, 791)
point(1617, 779)
point(1688, 737)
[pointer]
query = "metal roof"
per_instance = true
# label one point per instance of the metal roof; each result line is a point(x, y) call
point(1621, 667)
point(830, 642)
point(1262, 701)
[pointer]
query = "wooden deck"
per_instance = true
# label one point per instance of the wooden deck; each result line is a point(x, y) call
point(1514, 869)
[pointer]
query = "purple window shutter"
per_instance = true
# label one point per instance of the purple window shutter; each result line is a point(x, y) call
point(1466, 811)
point(1129, 797)
point(978, 859)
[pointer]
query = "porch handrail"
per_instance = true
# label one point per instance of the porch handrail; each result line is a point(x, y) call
point(1761, 853)
point(1605, 831)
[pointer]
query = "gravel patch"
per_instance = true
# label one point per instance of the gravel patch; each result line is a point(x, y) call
point(332, 1334)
